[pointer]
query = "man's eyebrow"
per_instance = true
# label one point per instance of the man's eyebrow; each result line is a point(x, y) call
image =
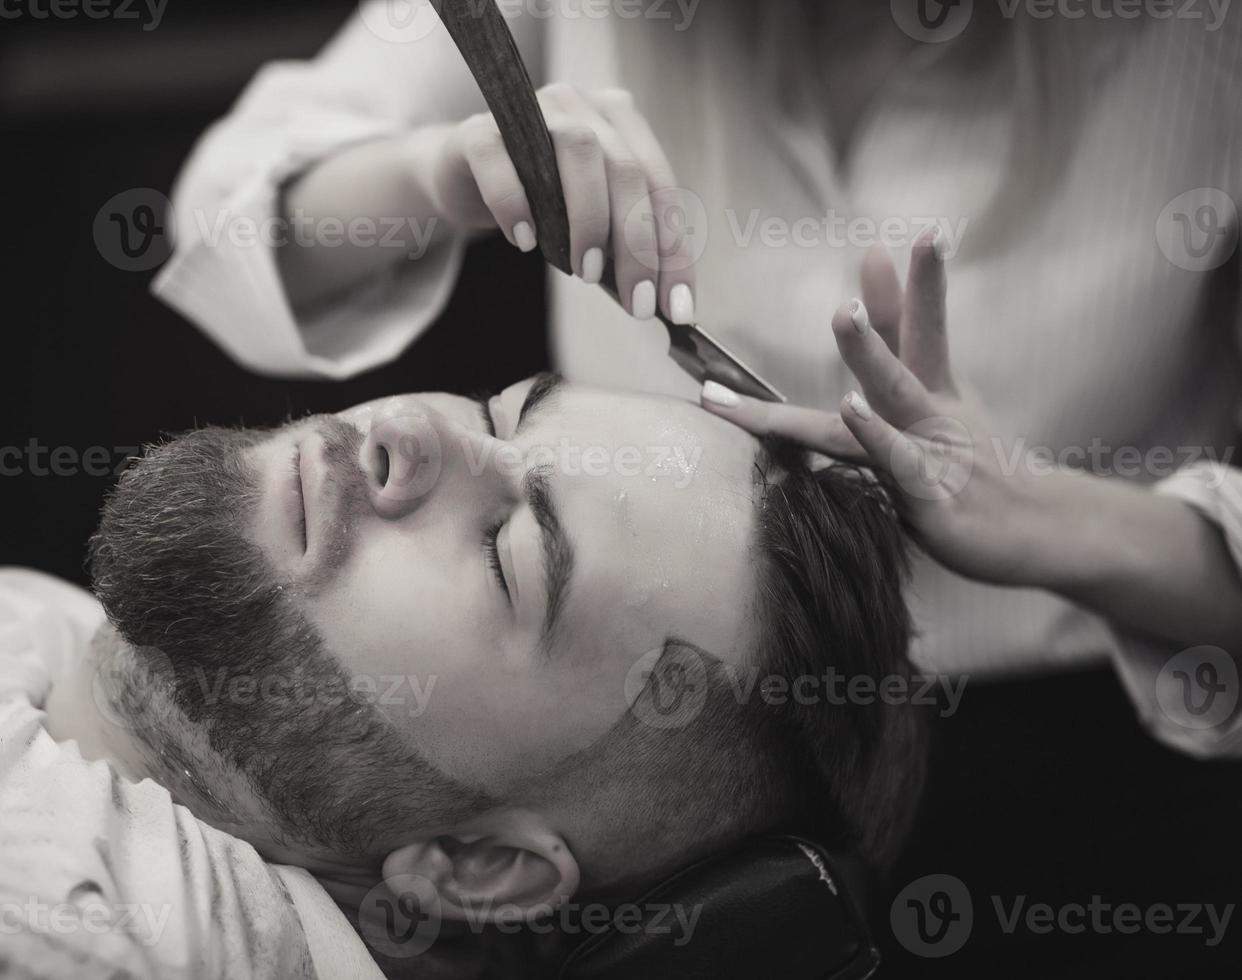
point(558, 553)
point(544, 386)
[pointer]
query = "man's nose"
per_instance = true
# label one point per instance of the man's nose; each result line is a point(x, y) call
point(404, 457)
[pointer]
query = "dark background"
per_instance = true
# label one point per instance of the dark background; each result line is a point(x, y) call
point(1045, 788)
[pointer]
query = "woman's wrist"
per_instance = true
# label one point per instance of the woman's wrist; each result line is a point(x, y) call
point(1148, 562)
point(1079, 540)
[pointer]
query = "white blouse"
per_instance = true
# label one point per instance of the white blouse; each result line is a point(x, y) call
point(1084, 170)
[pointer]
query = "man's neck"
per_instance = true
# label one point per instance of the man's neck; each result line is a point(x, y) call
point(76, 709)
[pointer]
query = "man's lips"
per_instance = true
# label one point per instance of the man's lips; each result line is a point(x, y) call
point(321, 504)
point(318, 495)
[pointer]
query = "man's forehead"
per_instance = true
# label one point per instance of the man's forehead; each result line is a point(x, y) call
point(665, 510)
point(654, 420)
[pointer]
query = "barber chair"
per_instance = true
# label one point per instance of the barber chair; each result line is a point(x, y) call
point(777, 907)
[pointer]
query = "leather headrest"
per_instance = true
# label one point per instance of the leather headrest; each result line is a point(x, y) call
point(775, 907)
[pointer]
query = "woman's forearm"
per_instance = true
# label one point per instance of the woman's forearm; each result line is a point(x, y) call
point(1147, 562)
point(355, 215)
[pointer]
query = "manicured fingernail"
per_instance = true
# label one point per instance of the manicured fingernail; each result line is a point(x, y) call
point(858, 313)
point(718, 394)
point(642, 303)
point(681, 304)
point(593, 265)
point(937, 242)
point(858, 405)
point(524, 236)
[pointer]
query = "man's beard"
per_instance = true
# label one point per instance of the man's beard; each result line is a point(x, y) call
point(184, 586)
point(171, 560)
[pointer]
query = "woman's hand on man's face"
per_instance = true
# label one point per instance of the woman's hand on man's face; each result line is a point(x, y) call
point(969, 511)
point(620, 192)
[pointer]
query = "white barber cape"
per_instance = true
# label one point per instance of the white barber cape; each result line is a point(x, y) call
point(101, 877)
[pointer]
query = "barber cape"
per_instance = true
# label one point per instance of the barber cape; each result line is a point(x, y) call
point(102, 877)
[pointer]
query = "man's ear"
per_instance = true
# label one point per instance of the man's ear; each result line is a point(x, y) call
point(506, 865)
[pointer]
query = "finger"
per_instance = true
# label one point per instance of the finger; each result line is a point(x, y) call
point(635, 253)
point(888, 384)
point(584, 179)
point(887, 448)
point(924, 340)
point(881, 293)
point(480, 145)
point(809, 427)
point(674, 236)
point(632, 234)
point(585, 182)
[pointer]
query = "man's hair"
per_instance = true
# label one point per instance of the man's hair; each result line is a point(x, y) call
point(182, 586)
point(832, 596)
